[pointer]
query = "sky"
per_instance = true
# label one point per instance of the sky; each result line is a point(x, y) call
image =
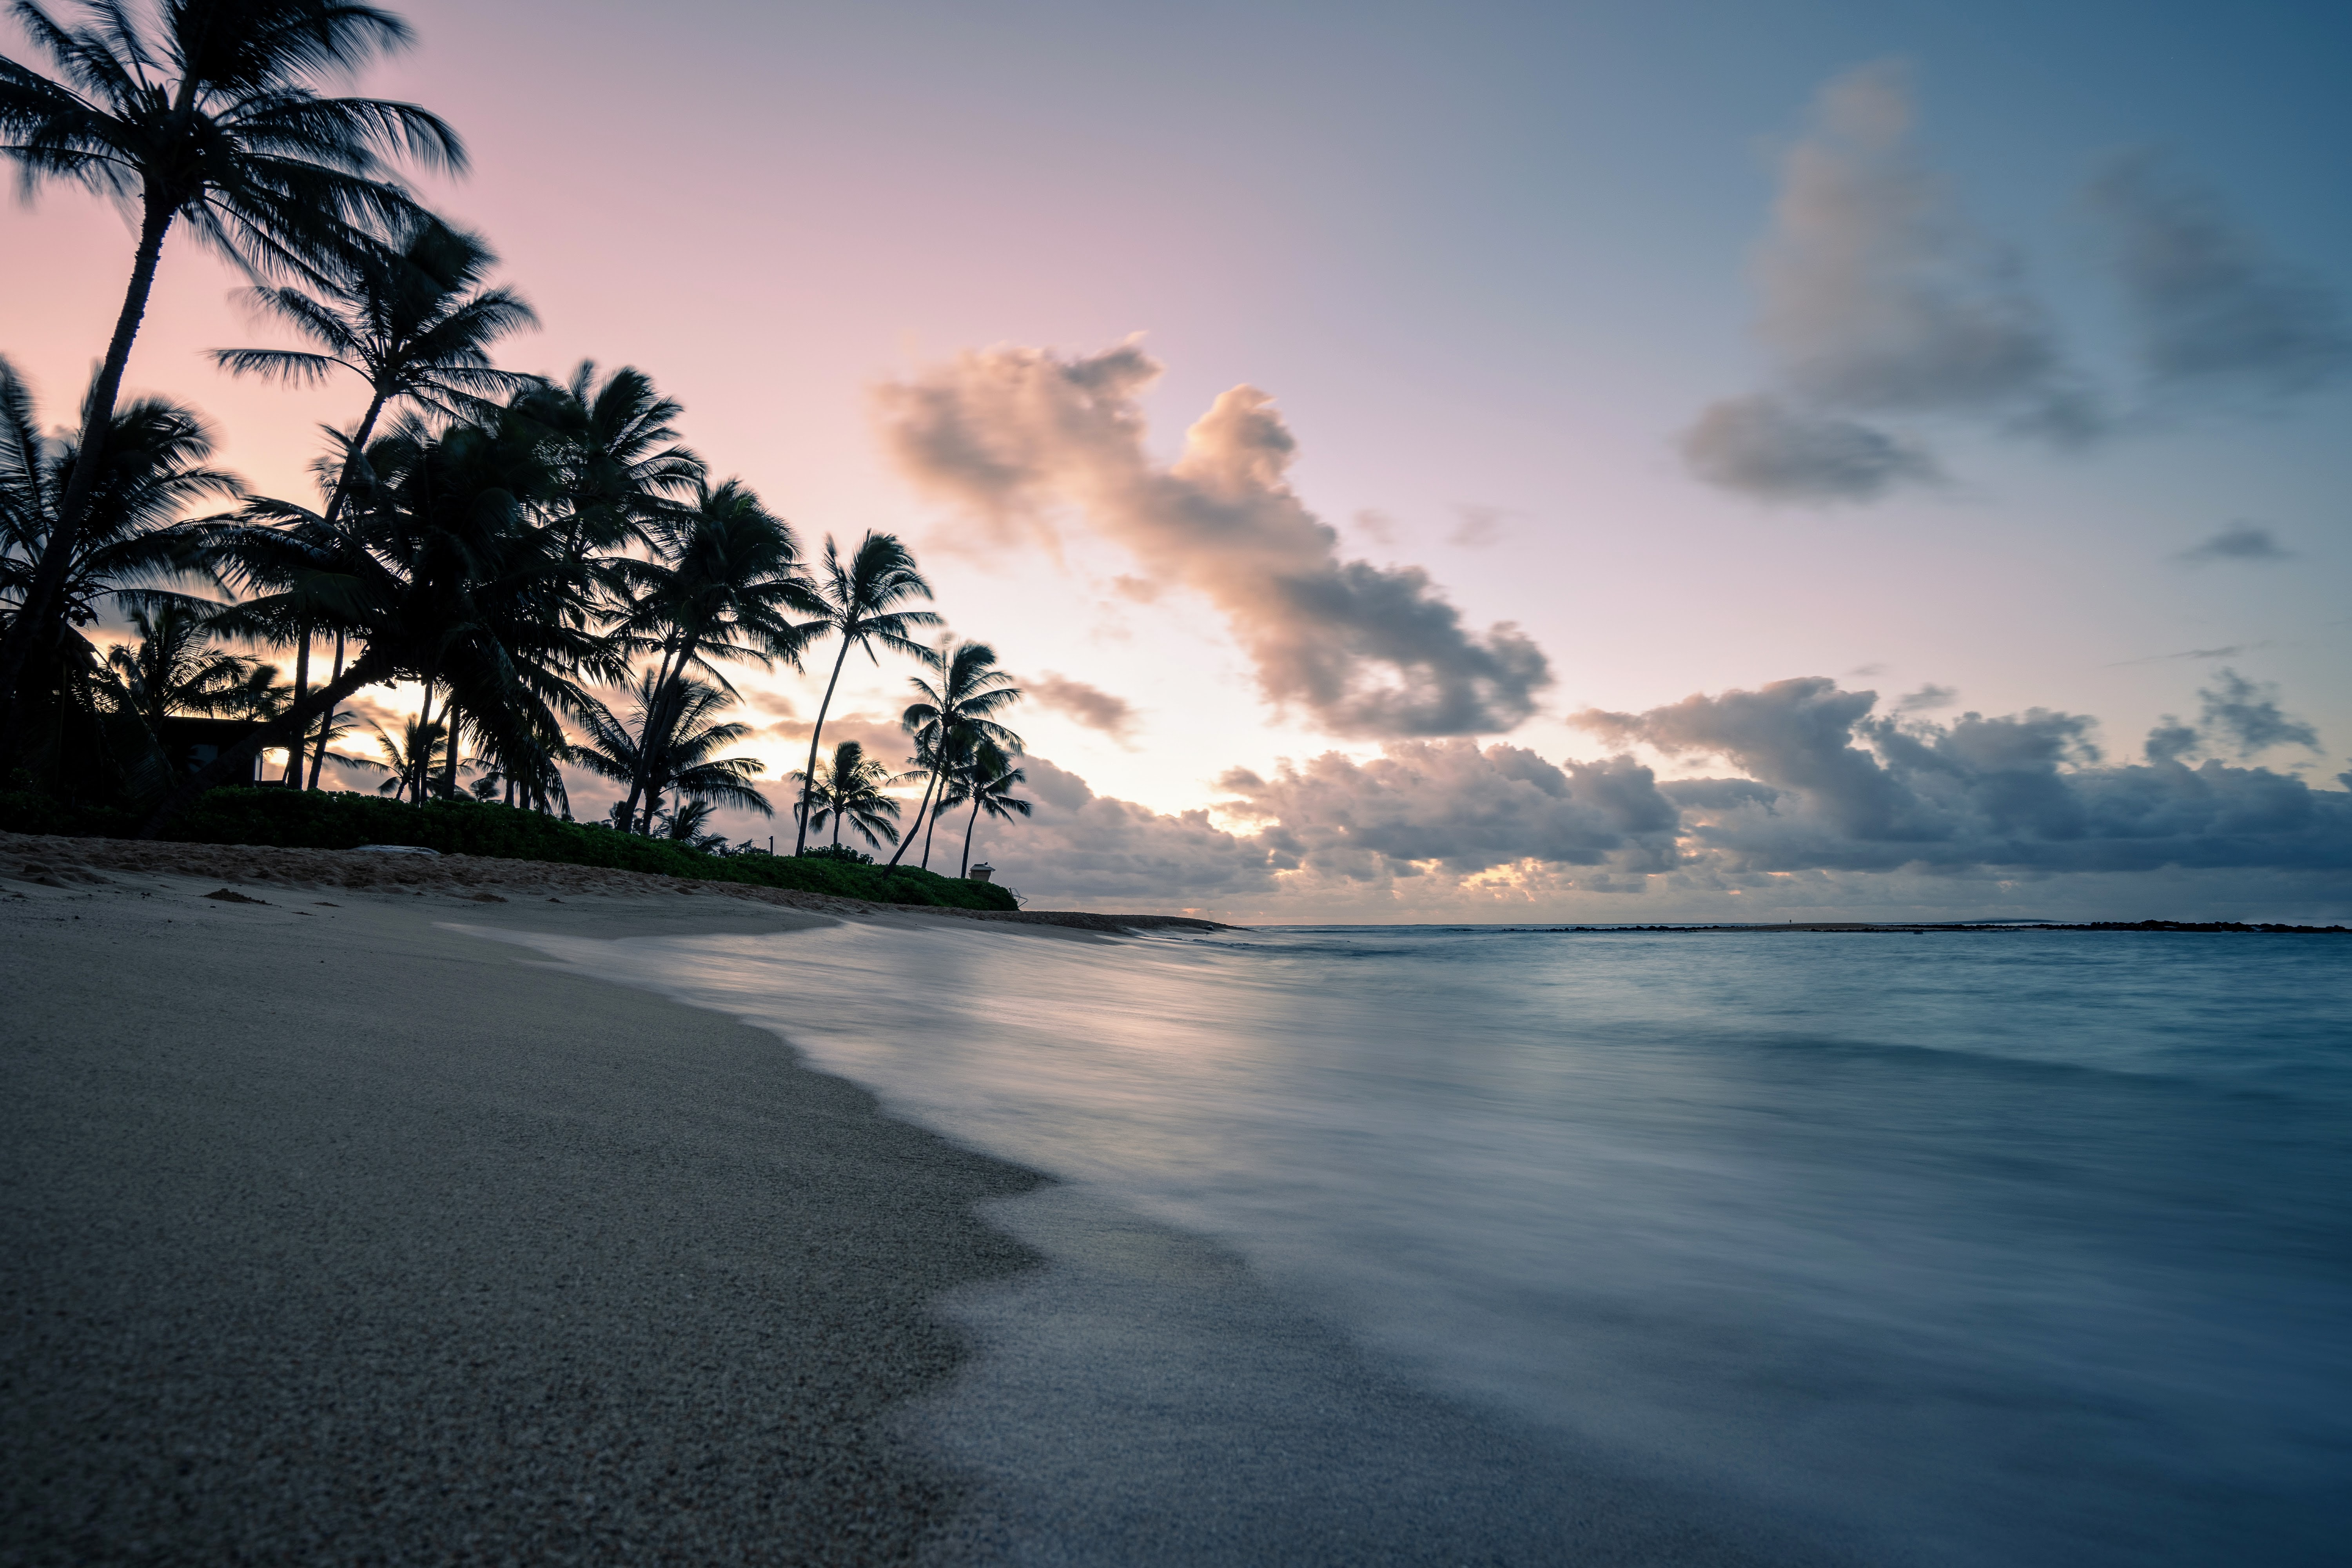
point(1910, 437)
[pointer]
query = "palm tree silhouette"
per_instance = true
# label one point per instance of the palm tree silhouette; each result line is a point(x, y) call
point(211, 118)
point(175, 666)
point(613, 444)
point(408, 321)
point(954, 712)
point(686, 765)
point(986, 780)
point(859, 595)
point(725, 583)
point(849, 789)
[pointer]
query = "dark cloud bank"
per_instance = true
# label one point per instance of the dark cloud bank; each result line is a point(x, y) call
point(1830, 803)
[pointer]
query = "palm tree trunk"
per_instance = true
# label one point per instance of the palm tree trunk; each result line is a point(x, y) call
point(930, 784)
point(294, 720)
point(293, 775)
point(352, 458)
point(449, 756)
point(326, 719)
point(40, 616)
point(970, 824)
point(422, 763)
point(808, 779)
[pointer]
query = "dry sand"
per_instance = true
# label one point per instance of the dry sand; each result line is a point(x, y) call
point(335, 1236)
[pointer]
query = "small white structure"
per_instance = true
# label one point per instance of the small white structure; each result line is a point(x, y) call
point(982, 872)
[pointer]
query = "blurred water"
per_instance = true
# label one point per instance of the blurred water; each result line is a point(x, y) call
point(2023, 1248)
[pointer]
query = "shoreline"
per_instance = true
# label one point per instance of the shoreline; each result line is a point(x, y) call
point(338, 1235)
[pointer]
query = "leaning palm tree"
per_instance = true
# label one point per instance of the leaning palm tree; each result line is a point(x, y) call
point(725, 582)
point(205, 114)
point(860, 595)
point(954, 711)
point(986, 782)
point(848, 789)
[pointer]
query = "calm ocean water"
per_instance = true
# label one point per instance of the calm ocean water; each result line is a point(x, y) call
point(2027, 1248)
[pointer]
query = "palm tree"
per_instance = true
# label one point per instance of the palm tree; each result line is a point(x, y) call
point(687, 766)
point(130, 549)
point(859, 597)
point(953, 713)
point(620, 470)
point(410, 321)
point(407, 757)
point(725, 583)
point(442, 576)
point(849, 790)
point(208, 115)
point(986, 780)
point(173, 668)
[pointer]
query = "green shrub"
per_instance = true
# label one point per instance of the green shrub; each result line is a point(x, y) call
point(297, 819)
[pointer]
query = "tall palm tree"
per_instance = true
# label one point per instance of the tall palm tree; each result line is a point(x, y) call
point(410, 321)
point(953, 711)
point(848, 790)
point(725, 583)
point(206, 114)
point(861, 595)
point(689, 767)
point(987, 781)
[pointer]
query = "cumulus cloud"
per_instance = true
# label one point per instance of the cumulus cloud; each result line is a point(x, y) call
point(1926, 700)
point(1089, 705)
point(1020, 436)
point(1765, 446)
point(1842, 790)
point(1450, 806)
point(2238, 542)
point(2213, 311)
point(1826, 802)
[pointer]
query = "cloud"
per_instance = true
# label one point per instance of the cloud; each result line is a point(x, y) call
point(1926, 700)
point(1448, 806)
point(1880, 299)
point(1089, 705)
point(1476, 527)
point(1764, 446)
point(1845, 791)
point(1831, 806)
point(2238, 542)
point(1019, 436)
point(2248, 717)
point(2212, 310)
point(2231, 651)
point(1377, 526)
point(1878, 294)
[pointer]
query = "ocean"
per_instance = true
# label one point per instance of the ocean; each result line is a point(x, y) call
point(2003, 1248)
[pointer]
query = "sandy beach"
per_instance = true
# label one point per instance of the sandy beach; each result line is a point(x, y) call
point(335, 1235)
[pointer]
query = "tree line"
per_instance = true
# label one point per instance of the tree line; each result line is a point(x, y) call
point(510, 544)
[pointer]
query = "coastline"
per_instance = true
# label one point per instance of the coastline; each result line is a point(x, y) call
point(337, 1234)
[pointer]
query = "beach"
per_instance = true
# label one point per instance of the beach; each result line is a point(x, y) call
point(368, 1208)
point(335, 1235)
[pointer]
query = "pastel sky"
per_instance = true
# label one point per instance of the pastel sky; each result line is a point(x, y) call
point(1992, 359)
